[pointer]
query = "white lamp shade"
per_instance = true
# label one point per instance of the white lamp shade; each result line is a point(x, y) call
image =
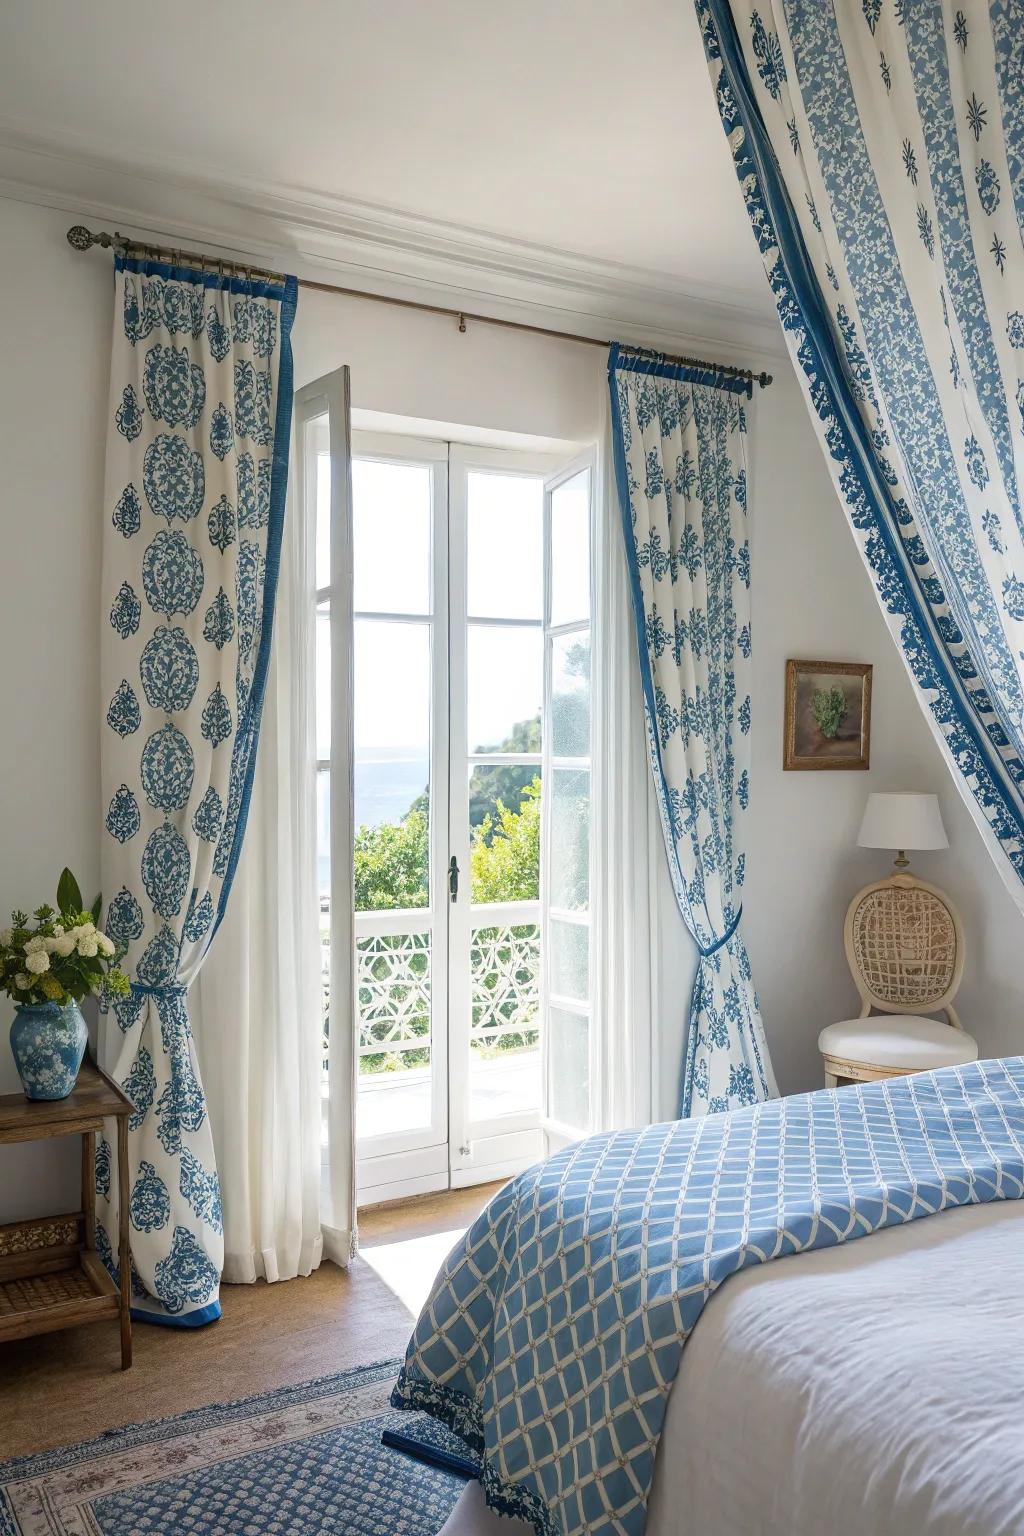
point(904, 821)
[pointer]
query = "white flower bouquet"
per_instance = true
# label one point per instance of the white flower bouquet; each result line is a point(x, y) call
point(60, 955)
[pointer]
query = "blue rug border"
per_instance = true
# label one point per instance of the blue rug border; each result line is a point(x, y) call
point(130, 1435)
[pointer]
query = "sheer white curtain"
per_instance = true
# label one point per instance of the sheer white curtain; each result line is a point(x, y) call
point(628, 852)
point(258, 999)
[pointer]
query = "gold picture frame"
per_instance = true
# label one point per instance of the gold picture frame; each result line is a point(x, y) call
point(828, 715)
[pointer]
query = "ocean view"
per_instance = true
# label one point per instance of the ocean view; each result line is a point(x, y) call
point(387, 781)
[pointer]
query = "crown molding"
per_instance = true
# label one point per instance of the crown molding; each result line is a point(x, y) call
point(382, 249)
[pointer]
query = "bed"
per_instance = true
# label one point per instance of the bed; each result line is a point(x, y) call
point(848, 1386)
point(872, 1389)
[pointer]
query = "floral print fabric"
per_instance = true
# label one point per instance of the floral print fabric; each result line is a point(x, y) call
point(880, 148)
point(682, 475)
point(195, 478)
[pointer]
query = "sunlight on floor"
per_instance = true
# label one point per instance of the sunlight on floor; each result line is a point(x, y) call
point(408, 1268)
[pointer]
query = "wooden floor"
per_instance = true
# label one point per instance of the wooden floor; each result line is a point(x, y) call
point(64, 1387)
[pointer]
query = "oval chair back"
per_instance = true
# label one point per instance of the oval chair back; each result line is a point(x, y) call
point(905, 948)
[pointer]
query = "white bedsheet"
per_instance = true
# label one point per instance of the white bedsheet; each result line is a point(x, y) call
point(875, 1389)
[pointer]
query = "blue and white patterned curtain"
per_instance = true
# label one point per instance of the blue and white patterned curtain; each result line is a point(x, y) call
point(680, 457)
point(197, 462)
point(880, 148)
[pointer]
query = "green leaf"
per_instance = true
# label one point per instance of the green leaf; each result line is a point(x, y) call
point(96, 909)
point(69, 896)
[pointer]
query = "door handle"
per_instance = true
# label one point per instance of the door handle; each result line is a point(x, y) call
point(453, 878)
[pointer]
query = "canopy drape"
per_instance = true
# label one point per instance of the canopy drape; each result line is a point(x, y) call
point(880, 149)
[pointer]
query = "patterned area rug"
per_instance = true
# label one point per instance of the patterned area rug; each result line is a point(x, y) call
point(290, 1463)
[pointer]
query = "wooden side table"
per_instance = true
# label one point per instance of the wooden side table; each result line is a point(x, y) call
point(50, 1273)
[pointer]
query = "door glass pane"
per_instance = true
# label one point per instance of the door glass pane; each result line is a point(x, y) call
point(505, 559)
point(570, 694)
point(570, 838)
point(323, 520)
point(393, 1004)
point(504, 832)
point(568, 959)
point(505, 688)
point(323, 863)
point(570, 550)
point(392, 764)
point(569, 1068)
point(505, 1059)
point(323, 834)
point(323, 684)
point(391, 506)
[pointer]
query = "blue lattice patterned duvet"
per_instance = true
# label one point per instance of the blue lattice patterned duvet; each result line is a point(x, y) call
point(554, 1331)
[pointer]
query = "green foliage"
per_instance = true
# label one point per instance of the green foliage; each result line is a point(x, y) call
point(391, 863)
point(828, 706)
point(505, 782)
point(69, 894)
point(504, 856)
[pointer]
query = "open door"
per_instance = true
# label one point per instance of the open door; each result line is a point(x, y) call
point(570, 1064)
point(324, 499)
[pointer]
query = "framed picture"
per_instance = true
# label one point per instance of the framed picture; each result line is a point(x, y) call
point(828, 714)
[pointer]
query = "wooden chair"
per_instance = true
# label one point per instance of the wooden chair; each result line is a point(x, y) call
point(905, 950)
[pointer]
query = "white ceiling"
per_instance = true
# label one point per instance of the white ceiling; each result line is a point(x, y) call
point(584, 126)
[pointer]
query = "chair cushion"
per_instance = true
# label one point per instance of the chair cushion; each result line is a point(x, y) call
point(904, 1041)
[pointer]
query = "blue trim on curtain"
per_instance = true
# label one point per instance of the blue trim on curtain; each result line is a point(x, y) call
point(275, 533)
point(828, 369)
point(197, 1319)
point(713, 949)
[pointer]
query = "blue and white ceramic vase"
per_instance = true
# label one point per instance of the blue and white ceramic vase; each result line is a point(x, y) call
point(48, 1041)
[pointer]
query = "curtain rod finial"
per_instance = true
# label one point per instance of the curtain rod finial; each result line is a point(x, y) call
point(80, 238)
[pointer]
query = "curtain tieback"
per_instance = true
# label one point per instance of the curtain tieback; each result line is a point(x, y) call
point(712, 949)
point(170, 989)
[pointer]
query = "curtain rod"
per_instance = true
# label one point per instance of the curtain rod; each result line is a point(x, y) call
point(81, 239)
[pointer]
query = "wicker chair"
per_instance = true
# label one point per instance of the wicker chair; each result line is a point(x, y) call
point(905, 949)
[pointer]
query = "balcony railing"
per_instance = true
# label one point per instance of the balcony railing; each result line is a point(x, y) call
point(393, 968)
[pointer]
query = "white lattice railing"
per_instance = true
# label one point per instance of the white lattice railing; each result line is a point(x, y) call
point(504, 957)
point(393, 984)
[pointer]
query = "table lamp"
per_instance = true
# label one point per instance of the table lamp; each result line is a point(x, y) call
point(900, 821)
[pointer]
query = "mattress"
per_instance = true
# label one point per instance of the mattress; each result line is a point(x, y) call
point(872, 1389)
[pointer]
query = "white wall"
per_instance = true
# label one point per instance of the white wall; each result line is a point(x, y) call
point(55, 319)
point(811, 597)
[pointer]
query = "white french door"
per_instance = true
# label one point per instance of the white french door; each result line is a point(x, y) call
point(400, 794)
point(465, 767)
